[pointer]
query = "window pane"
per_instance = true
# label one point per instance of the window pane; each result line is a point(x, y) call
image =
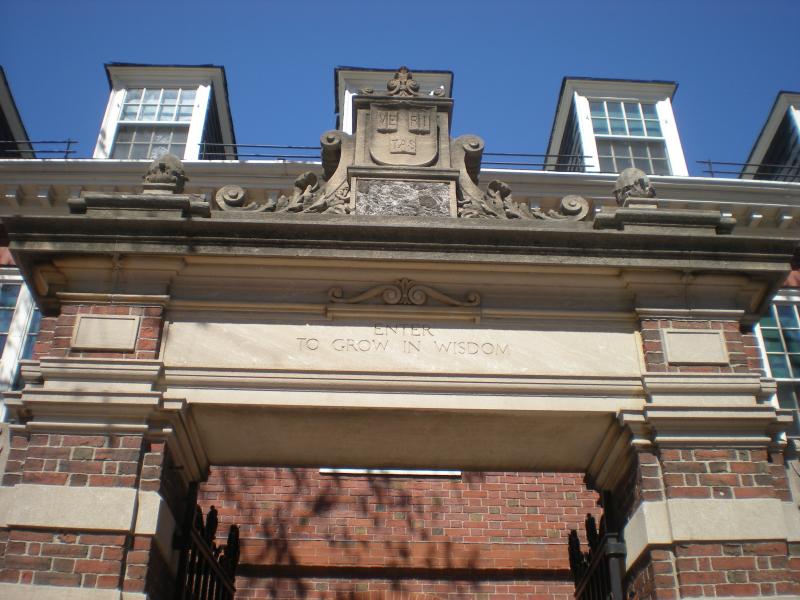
point(121, 151)
point(769, 319)
point(615, 110)
point(161, 136)
point(2, 343)
point(660, 167)
point(653, 128)
point(178, 150)
point(124, 134)
point(597, 108)
point(772, 340)
point(794, 359)
point(649, 111)
point(778, 365)
point(636, 127)
point(30, 342)
point(9, 294)
point(607, 165)
point(5, 319)
point(158, 150)
point(600, 126)
point(170, 97)
point(149, 112)
point(139, 151)
point(639, 149)
point(621, 148)
point(624, 163)
point(618, 127)
point(179, 136)
point(167, 113)
point(632, 110)
point(187, 97)
point(133, 95)
point(603, 148)
point(129, 112)
point(792, 339)
point(185, 113)
point(786, 316)
point(657, 150)
point(152, 96)
point(642, 163)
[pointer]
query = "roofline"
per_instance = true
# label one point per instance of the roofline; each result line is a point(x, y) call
point(219, 68)
point(392, 70)
point(17, 118)
point(757, 141)
point(569, 78)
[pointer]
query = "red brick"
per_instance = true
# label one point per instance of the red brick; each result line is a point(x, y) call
point(97, 566)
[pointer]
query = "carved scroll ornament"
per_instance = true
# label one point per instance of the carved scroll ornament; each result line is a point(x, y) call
point(403, 291)
point(307, 197)
point(497, 202)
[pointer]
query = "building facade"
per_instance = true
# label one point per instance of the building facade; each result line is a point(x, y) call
point(391, 376)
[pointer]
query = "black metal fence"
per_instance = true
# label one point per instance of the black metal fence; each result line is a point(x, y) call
point(598, 573)
point(32, 149)
point(206, 571)
point(767, 171)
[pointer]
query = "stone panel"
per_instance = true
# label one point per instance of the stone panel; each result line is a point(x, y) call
point(406, 198)
point(397, 347)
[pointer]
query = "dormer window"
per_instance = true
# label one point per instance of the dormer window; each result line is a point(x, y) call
point(628, 134)
point(154, 122)
point(156, 110)
point(607, 126)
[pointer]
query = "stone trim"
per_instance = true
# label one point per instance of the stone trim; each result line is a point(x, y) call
point(86, 509)
point(19, 591)
point(691, 520)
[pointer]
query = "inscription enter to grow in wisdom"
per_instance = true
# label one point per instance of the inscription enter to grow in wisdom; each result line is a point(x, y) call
point(406, 339)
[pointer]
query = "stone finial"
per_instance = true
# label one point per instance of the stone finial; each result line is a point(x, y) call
point(403, 84)
point(633, 183)
point(165, 174)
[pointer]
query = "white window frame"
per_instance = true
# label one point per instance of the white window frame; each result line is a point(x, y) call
point(389, 472)
point(17, 331)
point(188, 78)
point(578, 92)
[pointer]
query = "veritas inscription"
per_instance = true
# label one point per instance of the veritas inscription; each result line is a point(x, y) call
point(408, 339)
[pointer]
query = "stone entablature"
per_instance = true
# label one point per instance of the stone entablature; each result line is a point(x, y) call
point(481, 333)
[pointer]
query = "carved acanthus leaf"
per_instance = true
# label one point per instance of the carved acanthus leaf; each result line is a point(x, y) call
point(403, 291)
point(498, 203)
point(307, 197)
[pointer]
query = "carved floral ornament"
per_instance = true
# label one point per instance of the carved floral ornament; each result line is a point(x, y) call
point(403, 291)
point(402, 85)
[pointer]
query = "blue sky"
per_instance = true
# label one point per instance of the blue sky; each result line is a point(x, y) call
point(730, 59)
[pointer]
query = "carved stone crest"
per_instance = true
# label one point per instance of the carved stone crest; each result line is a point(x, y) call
point(403, 135)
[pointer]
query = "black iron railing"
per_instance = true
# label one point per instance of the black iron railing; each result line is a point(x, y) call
point(300, 153)
point(206, 571)
point(30, 148)
point(779, 172)
point(598, 573)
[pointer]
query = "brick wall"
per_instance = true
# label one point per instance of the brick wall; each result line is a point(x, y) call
point(742, 347)
point(723, 473)
point(55, 333)
point(735, 569)
point(490, 535)
point(82, 558)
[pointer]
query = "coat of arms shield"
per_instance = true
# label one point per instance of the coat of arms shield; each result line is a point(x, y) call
point(404, 136)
